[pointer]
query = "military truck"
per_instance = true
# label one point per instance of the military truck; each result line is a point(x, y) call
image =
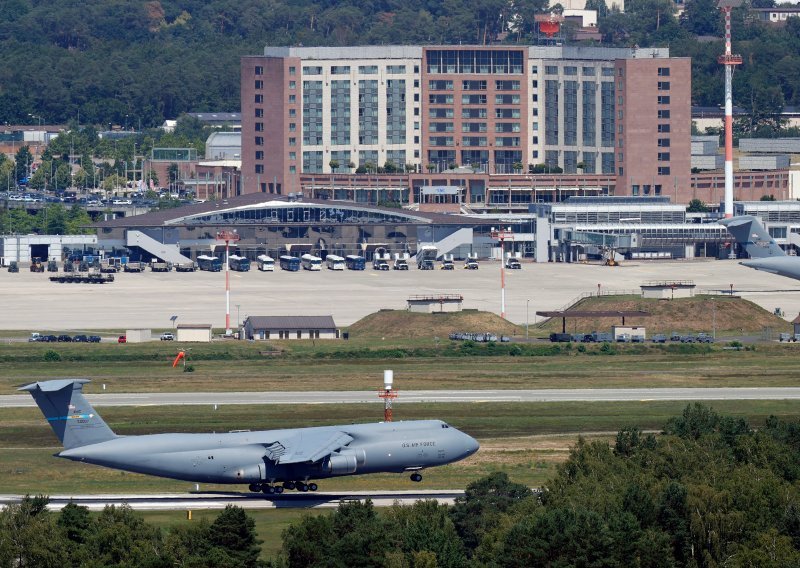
point(36, 265)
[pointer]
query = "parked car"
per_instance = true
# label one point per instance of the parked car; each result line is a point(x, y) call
point(122, 339)
point(64, 338)
point(675, 336)
point(659, 338)
point(167, 336)
point(80, 339)
point(94, 339)
point(48, 338)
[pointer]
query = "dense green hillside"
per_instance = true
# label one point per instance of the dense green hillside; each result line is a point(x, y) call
point(137, 61)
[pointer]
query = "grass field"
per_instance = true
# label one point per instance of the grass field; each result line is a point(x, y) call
point(240, 367)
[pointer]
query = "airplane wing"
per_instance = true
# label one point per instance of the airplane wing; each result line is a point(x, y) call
point(307, 446)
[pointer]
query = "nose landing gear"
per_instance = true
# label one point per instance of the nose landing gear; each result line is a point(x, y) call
point(416, 477)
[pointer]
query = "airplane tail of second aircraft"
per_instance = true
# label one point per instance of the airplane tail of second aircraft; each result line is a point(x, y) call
point(754, 238)
point(70, 415)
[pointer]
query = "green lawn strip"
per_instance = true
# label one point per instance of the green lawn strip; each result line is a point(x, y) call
point(771, 366)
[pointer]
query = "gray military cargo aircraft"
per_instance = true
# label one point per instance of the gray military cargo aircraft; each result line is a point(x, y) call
point(268, 460)
point(765, 254)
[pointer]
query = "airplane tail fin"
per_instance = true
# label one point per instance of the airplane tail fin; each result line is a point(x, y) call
point(750, 233)
point(70, 415)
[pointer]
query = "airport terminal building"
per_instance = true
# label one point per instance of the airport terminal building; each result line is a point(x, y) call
point(573, 230)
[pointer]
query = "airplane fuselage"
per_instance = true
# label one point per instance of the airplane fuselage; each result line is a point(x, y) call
point(788, 266)
point(238, 457)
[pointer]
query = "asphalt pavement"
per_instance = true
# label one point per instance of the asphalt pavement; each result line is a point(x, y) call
point(437, 396)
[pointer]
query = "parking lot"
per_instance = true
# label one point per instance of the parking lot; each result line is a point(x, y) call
point(31, 302)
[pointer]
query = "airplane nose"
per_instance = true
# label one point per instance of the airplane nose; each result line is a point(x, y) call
point(471, 445)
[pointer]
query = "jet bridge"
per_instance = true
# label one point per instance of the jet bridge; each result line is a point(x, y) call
point(611, 246)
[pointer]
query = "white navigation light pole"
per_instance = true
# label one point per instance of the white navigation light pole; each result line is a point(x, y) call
point(227, 236)
point(729, 60)
point(502, 235)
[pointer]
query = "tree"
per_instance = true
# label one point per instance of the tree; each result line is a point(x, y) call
point(697, 206)
point(483, 501)
point(701, 17)
point(334, 164)
point(22, 161)
point(232, 537)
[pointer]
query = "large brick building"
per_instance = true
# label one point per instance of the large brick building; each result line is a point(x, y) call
point(497, 109)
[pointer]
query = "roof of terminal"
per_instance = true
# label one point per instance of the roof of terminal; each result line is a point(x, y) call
point(181, 215)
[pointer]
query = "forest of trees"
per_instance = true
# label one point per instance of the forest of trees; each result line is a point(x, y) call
point(708, 492)
point(138, 62)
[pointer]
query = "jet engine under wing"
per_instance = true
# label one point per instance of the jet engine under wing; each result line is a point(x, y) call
point(308, 446)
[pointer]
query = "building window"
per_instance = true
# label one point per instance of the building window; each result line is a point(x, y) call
point(570, 70)
point(620, 157)
point(312, 70)
point(663, 142)
point(340, 70)
point(299, 334)
point(657, 188)
point(292, 155)
point(663, 156)
point(368, 69)
point(473, 85)
point(259, 127)
point(550, 70)
point(587, 71)
point(621, 171)
point(259, 113)
point(292, 99)
point(534, 70)
point(395, 69)
point(292, 113)
point(607, 72)
point(292, 169)
point(292, 141)
point(635, 189)
point(292, 70)
point(259, 99)
point(259, 140)
point(663, 71)
point(292, 84)
point(259, 84)
point(620, 100)
point(663, 85)
point(259, 154)
point(259, 168)
point(663, 171)
point(663, 99)
point(292, 127)
point(259, 70)
point(663, 128)
point(664, 113)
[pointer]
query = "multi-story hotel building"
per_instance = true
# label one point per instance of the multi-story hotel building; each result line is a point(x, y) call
point(496, 109)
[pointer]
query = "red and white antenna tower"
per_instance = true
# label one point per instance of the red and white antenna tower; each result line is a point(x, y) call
point(387, 394)
point(227, 236)
point(729, 60)
point(502, 235)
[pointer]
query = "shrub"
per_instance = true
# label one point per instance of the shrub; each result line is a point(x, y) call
point(51, 355)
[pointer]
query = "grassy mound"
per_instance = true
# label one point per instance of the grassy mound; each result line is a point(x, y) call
point(403, 324)
point(734, 316)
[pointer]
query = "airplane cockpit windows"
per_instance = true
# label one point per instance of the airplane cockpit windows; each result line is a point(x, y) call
point(445, 425)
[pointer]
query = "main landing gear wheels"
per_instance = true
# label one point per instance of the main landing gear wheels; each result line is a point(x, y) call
point(266, 489)
point(416, 477)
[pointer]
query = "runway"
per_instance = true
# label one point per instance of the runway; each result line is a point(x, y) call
point(425, 396)
point(219, 500)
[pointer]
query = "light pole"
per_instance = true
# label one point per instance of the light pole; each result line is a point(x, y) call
point(237, 318)
point(227, 236)
point(527, 306)
point(501, 235)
